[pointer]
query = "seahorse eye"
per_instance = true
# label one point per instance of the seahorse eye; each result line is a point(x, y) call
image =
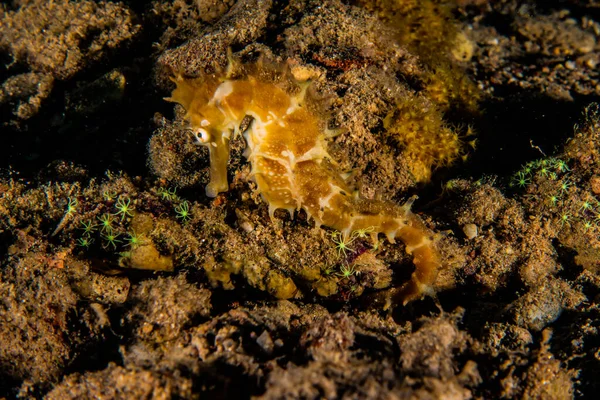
point(202, 135)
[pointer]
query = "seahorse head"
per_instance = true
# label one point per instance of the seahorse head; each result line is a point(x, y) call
point(208, 122)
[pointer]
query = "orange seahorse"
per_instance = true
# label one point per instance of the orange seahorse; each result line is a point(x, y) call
point(287, 150)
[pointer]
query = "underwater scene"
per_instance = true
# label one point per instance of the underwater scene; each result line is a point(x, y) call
point(300, 199)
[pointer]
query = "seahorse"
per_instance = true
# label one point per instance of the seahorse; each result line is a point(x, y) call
point(286, 145)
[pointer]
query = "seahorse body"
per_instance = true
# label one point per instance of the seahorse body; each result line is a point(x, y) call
point(287, 149)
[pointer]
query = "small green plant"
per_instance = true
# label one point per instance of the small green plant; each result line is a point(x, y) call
point(449, 186)
point(71, 206)
point(527, 169)
point(106, 221)
point(342, 243)
point(88, 227)
point(327, 270)
point(565, 219)
point(587, 225)
point(84, 242)
point(553, 199)
point(545, 171)
point(346, 271)
point(123, 208)
point(168, 194)
point(545, 167)
point(183, 211)
point(560, 165)
point(586, 206)
point(133, 240)
point(363, 233)
point(110, 239)
point(520, 179)
point(108, 195)
point(565, 184)
point(541, 163)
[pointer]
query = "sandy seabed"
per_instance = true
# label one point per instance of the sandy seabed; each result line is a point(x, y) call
point(120, 278)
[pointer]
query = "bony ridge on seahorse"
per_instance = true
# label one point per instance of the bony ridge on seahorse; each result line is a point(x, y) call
point(287, 150)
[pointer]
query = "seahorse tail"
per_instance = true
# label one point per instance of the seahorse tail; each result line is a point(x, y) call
point(425, 259)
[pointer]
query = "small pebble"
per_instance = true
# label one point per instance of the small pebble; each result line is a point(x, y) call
point(470, 231)
point(265, 342)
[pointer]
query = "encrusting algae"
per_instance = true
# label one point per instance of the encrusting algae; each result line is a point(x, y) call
point(429, 29)
point(428, 142)
point(287, 149)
